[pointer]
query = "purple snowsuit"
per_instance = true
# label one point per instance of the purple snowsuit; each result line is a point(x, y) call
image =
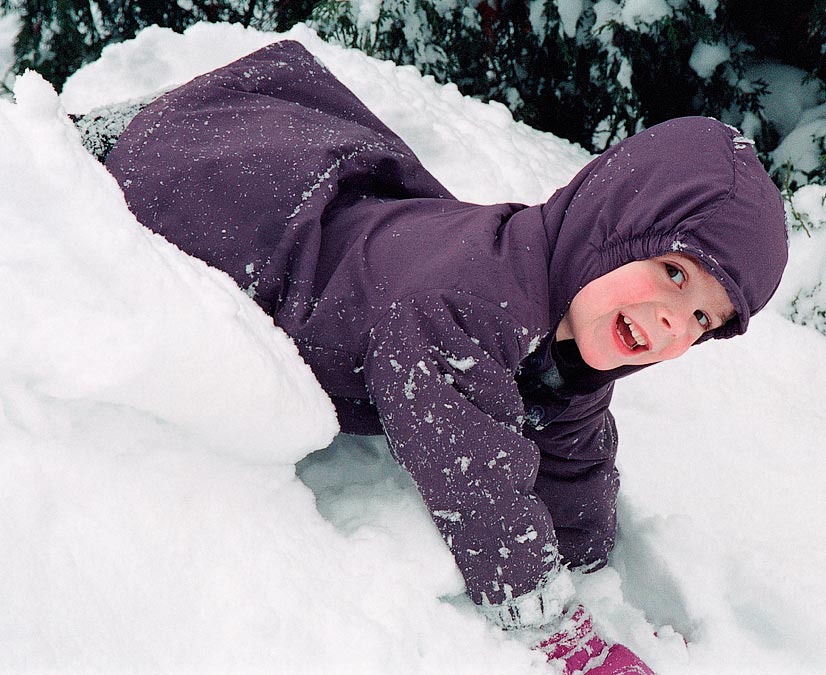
point(423, 316)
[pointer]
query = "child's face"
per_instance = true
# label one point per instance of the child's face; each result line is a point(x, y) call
point(646, 311)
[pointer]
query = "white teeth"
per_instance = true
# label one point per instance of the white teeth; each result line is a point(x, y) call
point(633, 328)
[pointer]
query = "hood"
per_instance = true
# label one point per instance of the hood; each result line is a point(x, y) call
point(693, 185)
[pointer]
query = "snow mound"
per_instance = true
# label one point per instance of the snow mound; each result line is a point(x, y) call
point(100, 310)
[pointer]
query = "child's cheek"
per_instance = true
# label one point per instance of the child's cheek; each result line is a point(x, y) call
point(639, 285)
point(677, 349)
point(648, 288)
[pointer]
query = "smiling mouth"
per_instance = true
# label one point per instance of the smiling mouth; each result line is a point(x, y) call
point(630, 335)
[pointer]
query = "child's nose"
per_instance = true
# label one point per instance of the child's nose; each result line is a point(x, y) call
point(672, 321)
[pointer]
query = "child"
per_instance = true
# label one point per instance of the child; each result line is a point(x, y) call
point(484, 341)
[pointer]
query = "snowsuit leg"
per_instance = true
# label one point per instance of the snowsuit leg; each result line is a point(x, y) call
point(101, 127)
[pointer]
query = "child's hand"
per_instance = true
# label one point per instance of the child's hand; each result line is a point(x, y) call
point(576, 645)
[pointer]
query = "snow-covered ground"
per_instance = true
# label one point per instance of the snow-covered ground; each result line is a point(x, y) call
point(152, 514)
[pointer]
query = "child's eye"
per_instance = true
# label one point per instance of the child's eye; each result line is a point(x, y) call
point(676, 274)
point(702, 318)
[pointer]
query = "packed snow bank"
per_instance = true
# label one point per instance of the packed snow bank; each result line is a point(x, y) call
point(101, 310)
point(136, 541)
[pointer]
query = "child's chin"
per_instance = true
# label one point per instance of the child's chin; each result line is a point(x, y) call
point(599, 360)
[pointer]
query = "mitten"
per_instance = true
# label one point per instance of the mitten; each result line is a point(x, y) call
point(581, 650)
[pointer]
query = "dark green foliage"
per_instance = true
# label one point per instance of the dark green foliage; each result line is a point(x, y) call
point(571, 85)
point(784, 31)
point(817, 37)
point(806, 311)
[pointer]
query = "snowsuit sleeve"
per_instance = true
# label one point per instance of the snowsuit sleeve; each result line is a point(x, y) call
point(577, 478)
point(439, 368)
